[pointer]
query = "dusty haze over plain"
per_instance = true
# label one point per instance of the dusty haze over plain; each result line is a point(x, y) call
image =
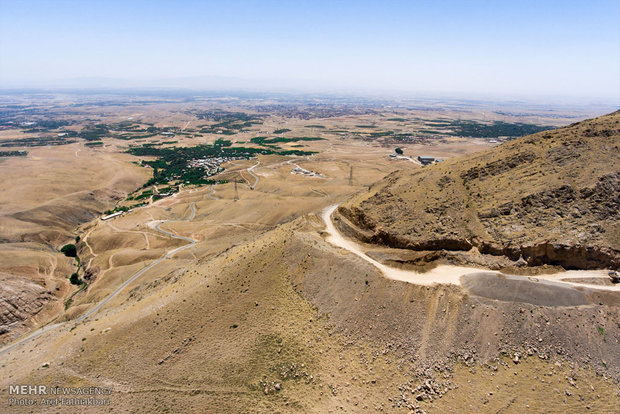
point(529, 48)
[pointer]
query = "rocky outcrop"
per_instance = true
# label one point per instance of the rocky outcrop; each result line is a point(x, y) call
point(20, 300)
point(368, 232)
point(554, 254)
point(498, 167)
point(548, 199)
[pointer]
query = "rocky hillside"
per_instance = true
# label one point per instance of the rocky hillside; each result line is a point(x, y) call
point(551, 198)
point(288, 323)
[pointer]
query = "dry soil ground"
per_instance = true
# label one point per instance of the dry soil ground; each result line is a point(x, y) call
point(263, 314)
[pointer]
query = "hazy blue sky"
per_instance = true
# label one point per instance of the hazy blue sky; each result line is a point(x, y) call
point(521, 47)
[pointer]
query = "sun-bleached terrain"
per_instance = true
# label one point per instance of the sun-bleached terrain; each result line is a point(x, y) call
point(241, 292)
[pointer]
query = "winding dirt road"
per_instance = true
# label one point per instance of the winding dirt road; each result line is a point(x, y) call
point(446, 274)
point(449, 275)
point(135, 276)
point(155, 263)
point(211, 193)
point(250, 171)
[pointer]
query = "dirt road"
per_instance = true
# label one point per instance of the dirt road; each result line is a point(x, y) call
point(135, 276)
point(445, 274)
point(249, 170)
point(440, 274)
point(155, 263)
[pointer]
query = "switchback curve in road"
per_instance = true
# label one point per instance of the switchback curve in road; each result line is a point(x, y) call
point(155, 263)
point(251, 172)
point(136, 275)
point(448, 274)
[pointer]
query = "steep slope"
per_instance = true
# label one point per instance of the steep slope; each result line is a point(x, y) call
point(552, 198)
point(288, 323)
point(278, 319)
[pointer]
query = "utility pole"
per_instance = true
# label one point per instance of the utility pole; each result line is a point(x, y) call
point(351, 176)
point(236, 192)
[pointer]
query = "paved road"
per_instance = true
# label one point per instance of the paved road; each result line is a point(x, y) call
point(28, 338)
point(121, 287)
point(155, 263)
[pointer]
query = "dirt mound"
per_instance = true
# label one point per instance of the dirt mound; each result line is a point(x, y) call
point(552, 198)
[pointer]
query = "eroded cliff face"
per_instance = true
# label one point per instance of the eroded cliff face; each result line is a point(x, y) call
point(551, 198)
point(20, 301)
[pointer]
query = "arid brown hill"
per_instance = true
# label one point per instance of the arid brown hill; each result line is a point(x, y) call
point(550, 198)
